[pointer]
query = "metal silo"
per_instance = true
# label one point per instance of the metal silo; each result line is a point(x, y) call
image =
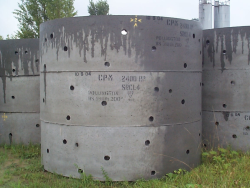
point(222, 13)
point(226, 106)
point(205, 14)
point(120, 94)
point(19, 93)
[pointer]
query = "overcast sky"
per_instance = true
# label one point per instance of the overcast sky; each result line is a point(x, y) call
point(186, 9)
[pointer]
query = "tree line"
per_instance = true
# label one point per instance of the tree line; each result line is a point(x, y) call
point(31, 13)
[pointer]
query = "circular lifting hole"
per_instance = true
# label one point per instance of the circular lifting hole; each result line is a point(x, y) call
point(233, 83)
point(72, 88)
point(217, 123)
point(234, 136)
point(37, 125)
point(68, 117)
point(183, 101)
point(47, 150)
point(224, 52)
point(106, 158)
point(157, 89)
point(13, 97)
point(26, 52)
point(207, 42)
point(185, 65)
point(16, 52)
point(147, 142)
point(107, 64)
point(104, 103)
point(65, 48)
point(187, 152)
point(80, 171)
point(224, 105)
point(193, 35)
point(124, 32)
point(170, 91)
point(76, 144)
point(152, 173)
point(13, 70)
point(10, 134)
point(153, 48)
point(64, 141)
point(51, 35)
point(151, 118)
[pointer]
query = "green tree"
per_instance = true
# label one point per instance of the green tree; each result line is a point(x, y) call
point(32, 13)
point(9, 37)
point(99, 8)
point(1, 37)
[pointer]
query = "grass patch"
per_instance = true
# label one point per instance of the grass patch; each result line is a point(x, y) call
point(20, 166)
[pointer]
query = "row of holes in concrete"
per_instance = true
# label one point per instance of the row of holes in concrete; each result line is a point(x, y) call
point(156, 89)
point(234, 135)
point(223, 51)
point(37, 125)
point(107, 158)
point(232, 83)
point(106, 64)
point(123, 32)
point(16, 52)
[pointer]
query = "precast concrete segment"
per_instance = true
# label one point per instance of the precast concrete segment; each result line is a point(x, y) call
point(86, 43)
point(20, 128)
point(19, 93)
point(226, 128)
point(120, 84)
point(125, 153)
point(225, 87)
point(121, 98)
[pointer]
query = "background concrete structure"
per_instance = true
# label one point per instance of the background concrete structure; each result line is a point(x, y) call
point(19, 93)
point(221, 13)
point(226, 85)
point(122, 94)
point(205, 14)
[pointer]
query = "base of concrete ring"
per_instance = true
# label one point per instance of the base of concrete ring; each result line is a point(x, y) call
point(223, 129)
point(124, 153)
point(20, 128)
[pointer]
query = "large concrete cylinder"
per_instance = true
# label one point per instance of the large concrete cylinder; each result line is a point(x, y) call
point(19, 93)
point(120, 94)
point(226, 84)
point(205, 14)
point(221, 14)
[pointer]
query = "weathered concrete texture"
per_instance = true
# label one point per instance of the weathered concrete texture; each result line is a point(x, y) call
point(22, 94)
point(129, 103)
point(19, 91)
point(226, 128)
point(122, 93)
point(125, 153)
point(20, 128)
point(226, 86)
